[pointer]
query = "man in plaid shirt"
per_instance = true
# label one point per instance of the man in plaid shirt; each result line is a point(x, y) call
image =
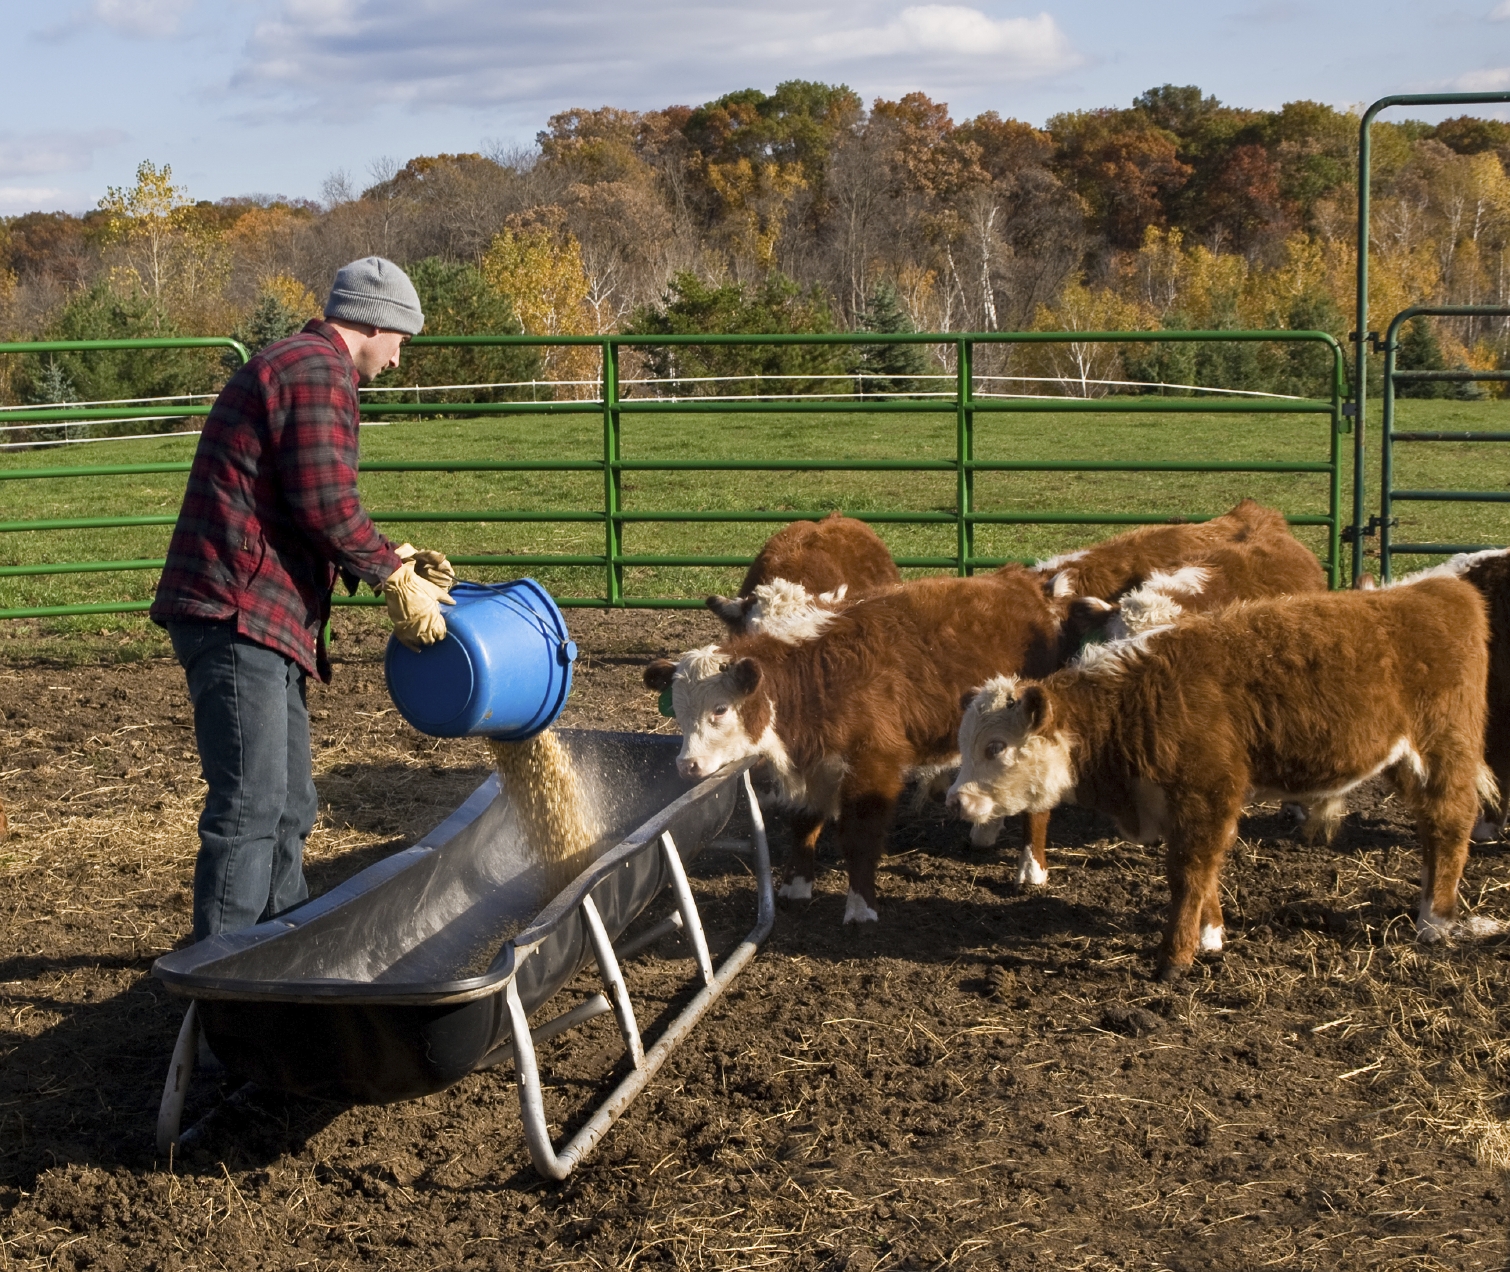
point(269, 520)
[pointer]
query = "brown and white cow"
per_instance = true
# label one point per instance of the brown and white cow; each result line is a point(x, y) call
point(1489, 572)
point(1246, 554)
point(1305, 697)
point(803, 571)
point(841, 718)
point(1116, 565)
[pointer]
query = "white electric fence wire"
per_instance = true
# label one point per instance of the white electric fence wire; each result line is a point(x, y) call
point(556, 384)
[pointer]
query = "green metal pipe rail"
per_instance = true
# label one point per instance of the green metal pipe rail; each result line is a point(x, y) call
point(965, 407)
point(1389, 436)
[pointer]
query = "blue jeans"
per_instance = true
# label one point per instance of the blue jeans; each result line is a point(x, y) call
point(252, 727)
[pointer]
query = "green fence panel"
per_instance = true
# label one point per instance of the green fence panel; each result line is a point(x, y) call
point(1389, 436)
point(1362, 338)
point(963, 402)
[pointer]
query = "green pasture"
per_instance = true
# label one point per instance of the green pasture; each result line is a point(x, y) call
point(764, 437)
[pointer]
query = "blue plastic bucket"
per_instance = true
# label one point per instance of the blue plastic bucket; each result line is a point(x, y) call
point(503, 670)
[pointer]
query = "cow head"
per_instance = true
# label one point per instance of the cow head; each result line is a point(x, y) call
point(782, 609)
point(1013, 757)
point(708, 688)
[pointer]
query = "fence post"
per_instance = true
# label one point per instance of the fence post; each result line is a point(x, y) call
point(1334, 480)
point(1387, 451)
point(613, 533)
point(964, 455)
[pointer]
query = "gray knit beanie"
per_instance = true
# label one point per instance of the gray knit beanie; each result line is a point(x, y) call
point(376, 292)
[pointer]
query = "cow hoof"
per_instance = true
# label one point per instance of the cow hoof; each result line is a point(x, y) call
point(1430, 929)
point(796, 889)
point(1029, 873)
point(1171, 973)
point(1211, 939)
point(1485, 832)
point(856, 910)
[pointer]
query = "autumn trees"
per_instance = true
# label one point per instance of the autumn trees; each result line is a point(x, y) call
point(806, 209)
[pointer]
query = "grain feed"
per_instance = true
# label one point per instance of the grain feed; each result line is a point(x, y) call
point(542, 787)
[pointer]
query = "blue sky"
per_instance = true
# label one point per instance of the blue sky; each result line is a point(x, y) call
point(273, 96)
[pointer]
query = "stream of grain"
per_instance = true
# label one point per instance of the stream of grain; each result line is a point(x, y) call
point(542, 787)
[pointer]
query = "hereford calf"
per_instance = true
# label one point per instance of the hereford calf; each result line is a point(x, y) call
point(1489, 572)
point(1125, 561)
point(1300, 697)
point(1246, 554)
point(842, 718)
point(808, 566)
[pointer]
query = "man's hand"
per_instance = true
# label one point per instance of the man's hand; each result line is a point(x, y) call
point(430, 565)
point(414, 606)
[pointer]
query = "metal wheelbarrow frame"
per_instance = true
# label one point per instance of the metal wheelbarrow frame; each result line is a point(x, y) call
point(479, 1021)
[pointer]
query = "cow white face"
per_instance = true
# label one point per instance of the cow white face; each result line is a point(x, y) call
point(707, 688)
point(1012, 758)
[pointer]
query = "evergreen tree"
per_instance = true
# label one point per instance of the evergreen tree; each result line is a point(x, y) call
point(457, 301)
point(889, 368)
point(1420, 351)
point(778, 305)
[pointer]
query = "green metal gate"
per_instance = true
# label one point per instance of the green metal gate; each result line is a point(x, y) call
point(1362, 338)
point(1389, 436)
point(965, 406)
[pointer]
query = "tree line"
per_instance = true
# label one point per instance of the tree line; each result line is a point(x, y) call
point(804, 210)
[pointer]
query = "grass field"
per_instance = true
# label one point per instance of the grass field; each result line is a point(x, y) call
point(921, 436)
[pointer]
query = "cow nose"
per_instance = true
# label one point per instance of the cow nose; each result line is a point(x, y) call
point(689, 768)
point(951, 800)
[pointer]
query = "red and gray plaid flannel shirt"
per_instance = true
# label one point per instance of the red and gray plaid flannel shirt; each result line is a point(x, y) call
point(271, 515)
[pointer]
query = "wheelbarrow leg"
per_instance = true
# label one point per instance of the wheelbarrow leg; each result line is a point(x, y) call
point(613, 981)
point(537, 1136)
point(170, 1112)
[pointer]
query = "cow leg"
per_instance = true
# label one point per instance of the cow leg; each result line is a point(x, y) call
point(802, 865)
point(1033, 865)
point(1443, 822)
point(1491, 823)
point(1199, 840)
point(1213, 929)
point(863, 824)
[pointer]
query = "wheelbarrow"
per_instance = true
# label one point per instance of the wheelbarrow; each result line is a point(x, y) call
point(424, 967)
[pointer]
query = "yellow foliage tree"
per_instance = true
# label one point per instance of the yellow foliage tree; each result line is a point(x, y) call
point(167, 252)
point(755, 200)
point(1083, 367)
point(293, 295)
point(539, 268)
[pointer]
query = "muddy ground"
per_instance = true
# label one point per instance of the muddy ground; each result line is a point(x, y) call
point(982, 1080)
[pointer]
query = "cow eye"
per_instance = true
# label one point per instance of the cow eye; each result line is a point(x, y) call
point(993, 749)
point(720, 711)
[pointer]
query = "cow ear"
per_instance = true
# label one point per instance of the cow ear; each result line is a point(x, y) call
point(658, 674)
point(730, 609)
point(1034, 705)
point(1086, 619)
point(744, 676)
point(966, 698)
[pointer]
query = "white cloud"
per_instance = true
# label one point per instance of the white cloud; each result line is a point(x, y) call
point(40, 154)
point(1500, 12)
point(1488, 81)
point(26, 198)
point(345, 56)
point(150, 19)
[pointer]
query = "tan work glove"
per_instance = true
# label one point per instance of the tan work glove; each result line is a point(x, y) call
point(414, 607)
point(430, 565)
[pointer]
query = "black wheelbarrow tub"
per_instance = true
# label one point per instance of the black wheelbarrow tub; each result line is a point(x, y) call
point(391, 986)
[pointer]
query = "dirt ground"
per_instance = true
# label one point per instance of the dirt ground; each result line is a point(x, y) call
point(983, 1080)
